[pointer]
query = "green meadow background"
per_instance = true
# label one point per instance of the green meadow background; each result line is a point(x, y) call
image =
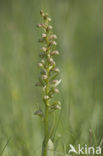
point(79, 27)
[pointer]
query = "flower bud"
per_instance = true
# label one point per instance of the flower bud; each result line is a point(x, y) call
point(56, 82)
point(55, 105)
point(56, 70)
point(48, 55)
point(40, 64)
point(53, 36)
point(41, 25)
point(55, 52)
point(49, 19)
point(58, 107)
point(56, 90)
point(42, 61)
point(49, 27)
point(53, 43)
point(46, 97)
point(43, 35)
point(52, 61)
point(44, 49)
point(44, 77)
point(42, 13)
point(45, 16)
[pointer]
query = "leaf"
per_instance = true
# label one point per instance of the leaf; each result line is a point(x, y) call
point(41, 81)
point(50, 148)
point(54, 76)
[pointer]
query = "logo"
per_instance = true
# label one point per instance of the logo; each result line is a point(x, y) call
point(84, 150)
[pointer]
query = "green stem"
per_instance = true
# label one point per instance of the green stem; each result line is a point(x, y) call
point(46, 126)
point(45, 142)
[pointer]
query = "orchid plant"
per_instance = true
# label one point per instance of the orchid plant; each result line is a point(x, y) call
point(48, 77)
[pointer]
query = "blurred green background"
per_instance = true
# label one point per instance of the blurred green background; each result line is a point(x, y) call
point(79, 27)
